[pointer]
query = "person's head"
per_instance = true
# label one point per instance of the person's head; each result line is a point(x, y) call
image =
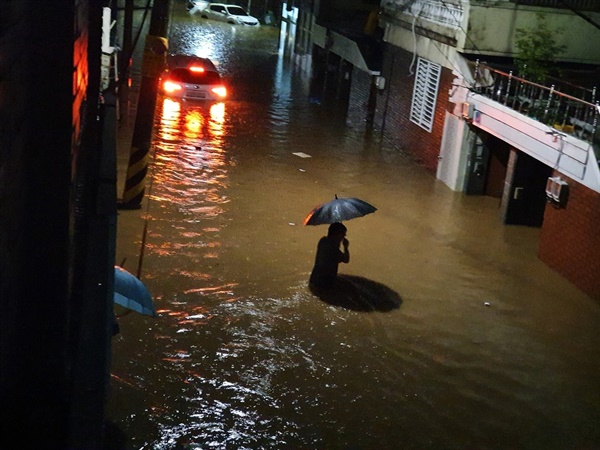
point(337, 230)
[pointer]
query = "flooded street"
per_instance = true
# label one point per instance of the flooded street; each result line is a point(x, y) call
point(457, 336)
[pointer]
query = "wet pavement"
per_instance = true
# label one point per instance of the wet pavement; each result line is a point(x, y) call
point(450, 332)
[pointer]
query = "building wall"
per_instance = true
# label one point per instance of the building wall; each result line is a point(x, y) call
point(489, 27)
point(392, 115)
point(358, 103)
point(570, 238)
point(38, 131)
point(492, 31)
point(80, 64)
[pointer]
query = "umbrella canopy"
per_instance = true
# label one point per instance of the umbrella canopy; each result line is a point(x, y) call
point(131, 293)
point(338, 210)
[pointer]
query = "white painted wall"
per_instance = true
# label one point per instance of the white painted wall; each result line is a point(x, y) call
point(489, 27)
point(491, 30)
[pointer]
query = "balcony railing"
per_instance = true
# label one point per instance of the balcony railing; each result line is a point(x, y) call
point(576, 113)
point(447, 13)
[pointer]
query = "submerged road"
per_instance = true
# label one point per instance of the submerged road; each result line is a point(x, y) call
point(452, 335)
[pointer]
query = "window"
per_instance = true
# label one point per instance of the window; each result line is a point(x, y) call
point(186, 76)
point(425, 91)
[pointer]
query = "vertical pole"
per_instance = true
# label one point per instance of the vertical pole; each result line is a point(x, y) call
point(153, 63)
point(126, 53)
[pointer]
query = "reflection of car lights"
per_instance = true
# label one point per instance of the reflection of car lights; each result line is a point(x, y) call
point(171, 87)
point(193, 122)
point(217, 114)
point(220, 91)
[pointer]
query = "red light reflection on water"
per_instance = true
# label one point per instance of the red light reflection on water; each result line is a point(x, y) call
point(190, 169)
point(187, 123)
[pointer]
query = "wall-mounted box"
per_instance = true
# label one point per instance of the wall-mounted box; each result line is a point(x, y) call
point(380, 82)
point(557, 191)
point(468, 110)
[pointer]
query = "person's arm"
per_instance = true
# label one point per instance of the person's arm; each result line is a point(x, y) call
point(346, 254)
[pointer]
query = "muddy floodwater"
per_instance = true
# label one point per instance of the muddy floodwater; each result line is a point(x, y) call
point(452, 334)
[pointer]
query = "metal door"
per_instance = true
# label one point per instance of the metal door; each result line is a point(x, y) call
point(477, 167)
point(526, 200)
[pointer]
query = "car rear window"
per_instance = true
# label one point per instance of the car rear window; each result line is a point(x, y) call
point(236, 11)
point(186, 76)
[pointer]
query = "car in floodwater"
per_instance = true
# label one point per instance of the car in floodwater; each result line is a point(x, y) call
point(192, 78)
point(222, 12)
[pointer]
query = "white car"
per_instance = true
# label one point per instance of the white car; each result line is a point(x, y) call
point(222, 12)
point(194, 6)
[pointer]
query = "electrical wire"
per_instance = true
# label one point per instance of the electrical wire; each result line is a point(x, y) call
point(414, 33)
point(579, 13)
point(137, 38)
point(445, 5)
point(408, 7)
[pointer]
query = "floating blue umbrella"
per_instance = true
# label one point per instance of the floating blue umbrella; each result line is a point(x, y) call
point(131, 293)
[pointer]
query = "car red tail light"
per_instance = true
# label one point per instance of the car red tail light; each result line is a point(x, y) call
point(196, 69)
point(170, 87)
point(220, 91)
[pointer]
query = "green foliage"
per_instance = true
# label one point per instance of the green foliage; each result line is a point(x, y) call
point(537, 49)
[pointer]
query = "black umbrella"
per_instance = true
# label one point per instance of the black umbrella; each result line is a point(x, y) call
point(338, 210)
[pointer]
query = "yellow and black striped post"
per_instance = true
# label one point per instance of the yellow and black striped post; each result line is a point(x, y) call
point(153, 64)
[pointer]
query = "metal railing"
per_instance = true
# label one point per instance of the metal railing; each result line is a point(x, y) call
point(571, 110)
point(448, 13)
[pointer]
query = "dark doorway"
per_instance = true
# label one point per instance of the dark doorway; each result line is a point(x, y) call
point(526, 200)
point(319, 74)
point(497, 167)
point(487, 164)
point(477, 167)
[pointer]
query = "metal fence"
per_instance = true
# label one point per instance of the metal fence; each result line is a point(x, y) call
point(576, 112)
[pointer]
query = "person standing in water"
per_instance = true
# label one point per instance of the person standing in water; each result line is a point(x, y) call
point(329, 255)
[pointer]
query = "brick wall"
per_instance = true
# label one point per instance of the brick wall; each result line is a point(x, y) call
point(393, 110)
point(570, 238)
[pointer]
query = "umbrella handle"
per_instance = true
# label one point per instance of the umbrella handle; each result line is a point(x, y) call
point(127, 311)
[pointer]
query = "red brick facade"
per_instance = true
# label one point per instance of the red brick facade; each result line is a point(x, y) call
point(570, 239)
point(394, 104)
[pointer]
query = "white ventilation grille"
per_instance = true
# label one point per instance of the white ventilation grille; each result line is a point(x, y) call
point(427, 80)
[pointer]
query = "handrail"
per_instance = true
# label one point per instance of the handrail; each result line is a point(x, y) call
point(541, 86)
point(562, 111)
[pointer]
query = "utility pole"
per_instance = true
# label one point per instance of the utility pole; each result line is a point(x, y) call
point(153, 64)
point(126, 52)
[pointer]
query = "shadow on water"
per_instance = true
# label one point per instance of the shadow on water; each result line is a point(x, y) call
point(114, 437)
point(359, 294)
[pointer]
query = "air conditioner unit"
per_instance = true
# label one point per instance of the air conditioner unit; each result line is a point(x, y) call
point(468, 111)
point(557, 191)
